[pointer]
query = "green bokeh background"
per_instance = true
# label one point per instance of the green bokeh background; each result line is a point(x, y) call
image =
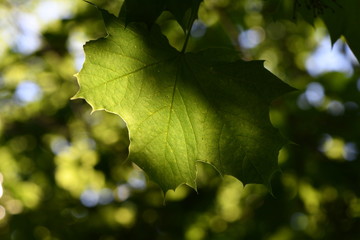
point(64, 173)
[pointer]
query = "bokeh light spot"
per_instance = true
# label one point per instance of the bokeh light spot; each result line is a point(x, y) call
point(312, 97)
point(336, 108)
point(28, 38)
point(89, 198)
point(14, 206)
point(2, 212)
point(123, 192)
point(1, 187)
point(137, 180)
point(299, 221)
point(333, 148)
point(198, 29)
point(315, 94)
point(125, 216)
point(49, 11)
point(59, 145)
point(327, 58)
point(252, 37)
point(75, 45)
point(351, 151)
point(358, 84)
point(195, 233)
point(27, 92)
point(106, 196)
point(79, 213)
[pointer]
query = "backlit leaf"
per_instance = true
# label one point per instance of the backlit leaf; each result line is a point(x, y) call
point(184, 108)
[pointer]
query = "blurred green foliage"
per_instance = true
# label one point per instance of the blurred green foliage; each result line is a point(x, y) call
point(63, 171)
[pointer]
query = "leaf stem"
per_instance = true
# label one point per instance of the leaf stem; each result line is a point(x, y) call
point(186, 42)
point(188, 29)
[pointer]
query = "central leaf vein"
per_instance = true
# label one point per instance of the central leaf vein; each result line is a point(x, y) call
point(126, 74)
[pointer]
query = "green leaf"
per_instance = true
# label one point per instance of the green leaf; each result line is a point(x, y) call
point(147, 13)
point(344, 20)
point(184, 11)
point(340, 17)
point(184, 108)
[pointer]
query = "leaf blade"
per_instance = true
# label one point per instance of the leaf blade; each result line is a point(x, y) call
point(181, 108)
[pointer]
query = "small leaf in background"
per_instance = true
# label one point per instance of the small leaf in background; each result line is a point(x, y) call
point(148, 13)
point(184, 11)
point(340, 18)
point(182, 108)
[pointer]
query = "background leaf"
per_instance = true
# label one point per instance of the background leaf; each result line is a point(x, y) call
point(184, 108)
point(148, 13)
point(341, 20)
point(184, 11)
point(340, 17)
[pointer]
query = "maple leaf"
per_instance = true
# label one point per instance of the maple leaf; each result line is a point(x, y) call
point(183, 108)
point(340, 18)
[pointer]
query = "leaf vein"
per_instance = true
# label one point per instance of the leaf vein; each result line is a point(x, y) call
point(127, 74)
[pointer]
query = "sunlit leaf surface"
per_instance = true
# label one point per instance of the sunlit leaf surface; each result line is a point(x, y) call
point(182, 108)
